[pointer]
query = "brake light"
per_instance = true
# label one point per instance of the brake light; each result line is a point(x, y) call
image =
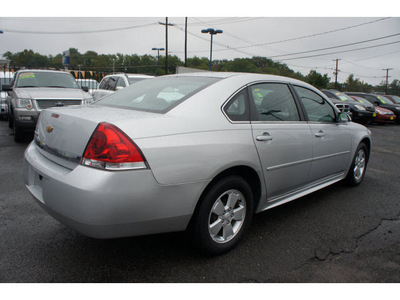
point(111, 149)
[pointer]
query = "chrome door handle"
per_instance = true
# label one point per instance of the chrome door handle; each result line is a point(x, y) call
point(320, 134)
point(265, 137)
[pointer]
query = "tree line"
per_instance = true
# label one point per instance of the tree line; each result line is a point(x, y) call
point(101, 64)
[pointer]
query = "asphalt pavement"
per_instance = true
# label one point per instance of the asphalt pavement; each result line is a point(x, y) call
point(338, 234)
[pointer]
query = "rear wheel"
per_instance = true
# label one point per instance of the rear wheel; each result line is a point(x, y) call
point(224, 214)
point(358, 166)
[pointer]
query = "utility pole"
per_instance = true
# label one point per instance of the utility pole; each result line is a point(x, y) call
point(185, 41)
point(166, 42)
point(387, 79)
point(336, 71)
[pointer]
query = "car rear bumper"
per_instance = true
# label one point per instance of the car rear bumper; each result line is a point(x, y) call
point(106, 204)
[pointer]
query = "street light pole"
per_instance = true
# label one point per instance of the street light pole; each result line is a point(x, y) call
point(212, 32)
point(158, 55)
point(79, 74)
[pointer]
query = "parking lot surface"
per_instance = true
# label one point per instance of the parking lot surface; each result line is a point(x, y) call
point(338, 234)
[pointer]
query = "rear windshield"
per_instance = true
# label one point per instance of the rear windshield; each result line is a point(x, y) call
point(157, 95)
point(46, 79)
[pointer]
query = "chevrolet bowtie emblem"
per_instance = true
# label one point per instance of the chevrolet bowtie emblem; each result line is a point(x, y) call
point(49, 129)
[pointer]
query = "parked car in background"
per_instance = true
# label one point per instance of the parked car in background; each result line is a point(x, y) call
point(360, 113)
point(32, 91)
point(200, 152)
point(394, 98)
point(381, 101)
point(5, 78)
point(90, 84)
point(115, 82)
point(383, 115)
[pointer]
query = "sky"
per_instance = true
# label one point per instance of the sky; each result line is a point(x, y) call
point(303, 35)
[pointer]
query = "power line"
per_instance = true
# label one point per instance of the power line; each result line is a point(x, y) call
point(79, 32)
point(378, 55)
point(339, 46)
point(216, 43)
point(308, 36)
point(357, 49)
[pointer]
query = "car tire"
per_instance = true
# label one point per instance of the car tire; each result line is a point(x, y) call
point(224, 213)
point(358, 166)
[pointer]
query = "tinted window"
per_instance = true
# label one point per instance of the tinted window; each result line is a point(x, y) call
point(317, 109)
point(158, 94)
point(273, 102)
point(371, 99)
point(237, 108)
point(111, 84)
point(385, 100)
point(103, 83)
point(395, 99)
point(46, 79)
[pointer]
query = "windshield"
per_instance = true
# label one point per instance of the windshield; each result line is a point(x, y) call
point(90, 84)
point(364, 101)
point(396, 99)
point(385, 100)
point(344, 97)
point(157, 95)
point(46, 79)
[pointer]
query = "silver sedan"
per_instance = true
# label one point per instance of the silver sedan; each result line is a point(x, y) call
point(198, 152)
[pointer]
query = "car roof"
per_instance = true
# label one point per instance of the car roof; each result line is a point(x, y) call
point(244, 76)
point(129, 75)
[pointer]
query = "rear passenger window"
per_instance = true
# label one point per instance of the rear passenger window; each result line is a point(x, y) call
point(237, 109)
point(317, 109)
point(273, 102)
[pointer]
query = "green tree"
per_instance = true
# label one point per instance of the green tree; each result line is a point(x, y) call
point(316, 79)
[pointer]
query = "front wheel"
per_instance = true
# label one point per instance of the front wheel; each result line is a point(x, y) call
point(358, 166)
point(223, 215)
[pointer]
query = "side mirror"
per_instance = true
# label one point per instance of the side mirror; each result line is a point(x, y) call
point(85, 89)
point(343, 118)
point(6, 88)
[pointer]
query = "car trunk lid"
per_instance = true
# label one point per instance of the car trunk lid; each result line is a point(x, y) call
point(62, 134)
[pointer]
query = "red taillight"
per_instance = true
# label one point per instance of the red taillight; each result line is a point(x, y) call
point(110, 148)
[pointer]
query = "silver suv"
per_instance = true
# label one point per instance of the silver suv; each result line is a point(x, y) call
point(115, 82)
point(31, 91)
